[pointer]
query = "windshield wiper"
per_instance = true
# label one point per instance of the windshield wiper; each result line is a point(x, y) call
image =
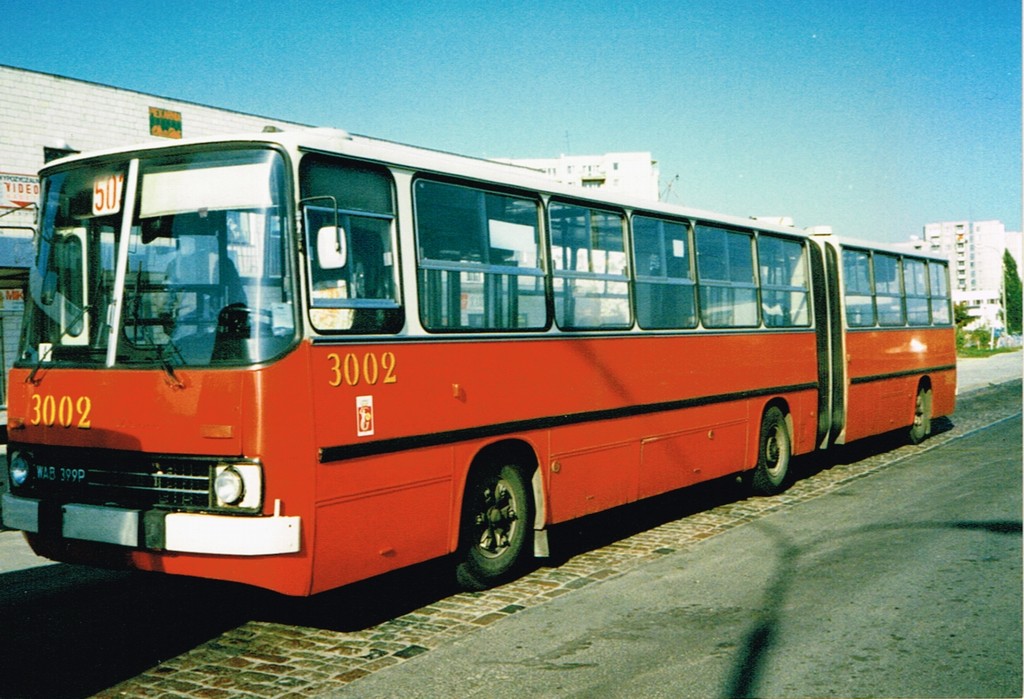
point(133, 301)
point(166, 365)
point(41, 359)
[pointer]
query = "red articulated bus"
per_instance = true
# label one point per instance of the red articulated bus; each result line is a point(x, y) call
point(298, 360)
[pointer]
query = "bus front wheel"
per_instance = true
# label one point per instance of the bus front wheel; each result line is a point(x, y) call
point(773, 454)
point(497, 525)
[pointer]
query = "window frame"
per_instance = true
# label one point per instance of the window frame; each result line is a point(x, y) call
point(707, 284)
point(435, 267)
point(868, 291)
point(328, 315)
point(666, 283)
point(946, 298)
point(772, 287)
point(565, 301)
point(885, 318)
point(915, 297)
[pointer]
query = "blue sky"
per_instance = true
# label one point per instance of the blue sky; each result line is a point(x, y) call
point(874, 117)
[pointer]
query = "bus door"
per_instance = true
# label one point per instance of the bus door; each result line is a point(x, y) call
point(829, 331)
point(64, 296)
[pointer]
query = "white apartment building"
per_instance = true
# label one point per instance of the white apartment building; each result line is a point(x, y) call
point(975, 251)
point(632, 174)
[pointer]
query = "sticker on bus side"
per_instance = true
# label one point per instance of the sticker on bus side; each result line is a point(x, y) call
point(364, 416)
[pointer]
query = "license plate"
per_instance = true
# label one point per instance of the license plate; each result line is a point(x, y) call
point(61, 474)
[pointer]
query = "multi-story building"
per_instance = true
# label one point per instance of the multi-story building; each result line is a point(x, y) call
point(975, 251)
point(633, 174)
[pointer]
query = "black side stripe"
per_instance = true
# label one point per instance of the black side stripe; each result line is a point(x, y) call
point(387, 446)
point(899, 374)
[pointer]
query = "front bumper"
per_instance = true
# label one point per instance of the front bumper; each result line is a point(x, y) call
point(157, 530)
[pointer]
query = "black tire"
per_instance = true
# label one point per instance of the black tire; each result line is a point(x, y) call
point(774, 453)
point(922, 425)
point(497, 526)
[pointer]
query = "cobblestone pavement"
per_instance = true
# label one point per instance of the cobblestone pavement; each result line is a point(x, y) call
point(279, 659)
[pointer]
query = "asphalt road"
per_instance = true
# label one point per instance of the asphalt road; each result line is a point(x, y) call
point(975, 373)
point(903, 583)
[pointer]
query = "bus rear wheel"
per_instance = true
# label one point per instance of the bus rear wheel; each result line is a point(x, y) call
point(922, 425)
point(497, 525)
point(773, 454)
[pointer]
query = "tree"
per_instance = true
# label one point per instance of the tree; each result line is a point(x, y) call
point(1012, 291)
point(960, 314)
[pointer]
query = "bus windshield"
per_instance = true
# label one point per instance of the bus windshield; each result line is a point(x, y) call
point(197, 275)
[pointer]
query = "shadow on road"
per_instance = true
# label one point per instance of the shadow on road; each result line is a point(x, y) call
point(755, 649)
point(70, 631)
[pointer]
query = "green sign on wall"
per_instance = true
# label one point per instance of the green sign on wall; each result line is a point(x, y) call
point(164, 123)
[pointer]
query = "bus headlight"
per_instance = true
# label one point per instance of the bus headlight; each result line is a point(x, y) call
point(19, 469)
point(238, 485)
point(229, 486)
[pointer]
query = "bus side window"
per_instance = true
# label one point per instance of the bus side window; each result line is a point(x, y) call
point(348, 215)
point(725, 271)
point(479, 265)
point(857, 289)
point(915, 283)
point(888, 290)
point(665, 295)
point(590, 270)
point(784, 292)
point(938, 292)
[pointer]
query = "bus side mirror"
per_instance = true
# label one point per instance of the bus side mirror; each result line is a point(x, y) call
point(331, 248)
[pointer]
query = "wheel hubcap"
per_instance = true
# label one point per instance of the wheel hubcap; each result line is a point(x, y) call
point(496, 520)
point(775, 460)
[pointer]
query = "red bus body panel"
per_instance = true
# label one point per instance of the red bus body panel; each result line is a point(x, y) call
point(610, 421)
point(885, 368)
point(259, 413)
